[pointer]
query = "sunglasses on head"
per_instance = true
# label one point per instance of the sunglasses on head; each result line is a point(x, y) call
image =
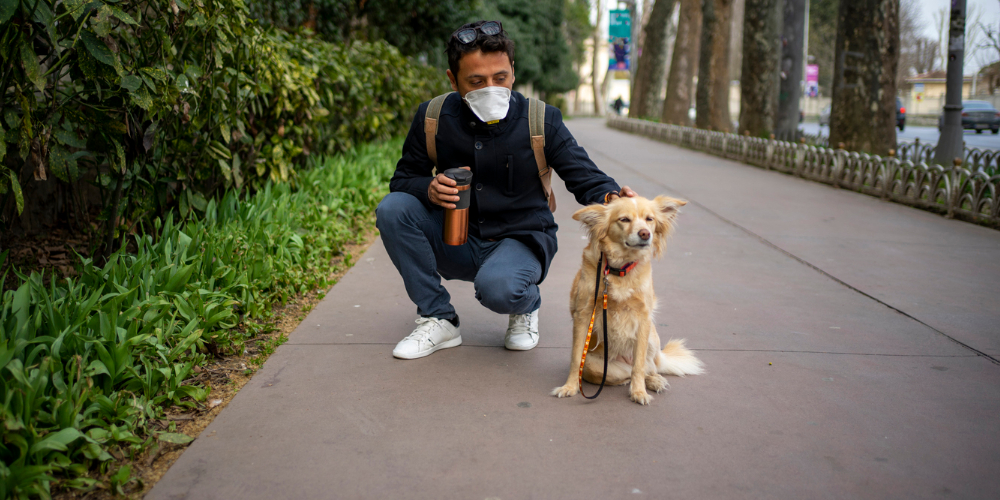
point(469, 35)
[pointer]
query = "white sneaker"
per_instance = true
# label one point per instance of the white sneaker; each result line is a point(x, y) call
point(522, 331)
point(430, 335)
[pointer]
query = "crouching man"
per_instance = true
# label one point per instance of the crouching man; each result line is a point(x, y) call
point(482, 126)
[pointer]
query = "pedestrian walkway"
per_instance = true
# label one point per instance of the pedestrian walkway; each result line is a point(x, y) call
point(851, 349)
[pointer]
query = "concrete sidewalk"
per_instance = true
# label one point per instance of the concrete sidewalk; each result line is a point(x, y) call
point(850, 343)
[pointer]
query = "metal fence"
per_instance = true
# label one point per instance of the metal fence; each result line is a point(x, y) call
point(966, 191)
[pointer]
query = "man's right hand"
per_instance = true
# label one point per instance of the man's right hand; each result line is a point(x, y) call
point(442, 191)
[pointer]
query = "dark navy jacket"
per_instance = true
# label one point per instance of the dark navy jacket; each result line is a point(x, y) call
point(507, 196)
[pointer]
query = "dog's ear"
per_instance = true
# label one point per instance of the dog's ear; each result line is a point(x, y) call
point(667, 210)
point(595, 219)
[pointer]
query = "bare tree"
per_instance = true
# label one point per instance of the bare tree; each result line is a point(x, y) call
point(652, 62)
point(989, 56)
point(910, 26)
point(864, 82)
point(683, 64)
point(759, 77)
point(712, 94)
point(973, 18)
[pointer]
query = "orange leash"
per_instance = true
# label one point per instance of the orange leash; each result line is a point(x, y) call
point(590, 330)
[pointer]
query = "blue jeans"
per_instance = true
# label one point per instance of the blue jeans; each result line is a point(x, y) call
point(505, 272)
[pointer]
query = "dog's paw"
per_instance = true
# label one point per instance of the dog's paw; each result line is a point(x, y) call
point(641, 397)
point(657, 383)
point(565, 391)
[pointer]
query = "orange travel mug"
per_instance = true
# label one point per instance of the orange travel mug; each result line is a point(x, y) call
point(456, 220)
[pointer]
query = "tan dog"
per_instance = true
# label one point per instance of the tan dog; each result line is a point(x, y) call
point(627, 230)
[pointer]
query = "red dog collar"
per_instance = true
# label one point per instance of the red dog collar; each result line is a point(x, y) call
point(622, 271)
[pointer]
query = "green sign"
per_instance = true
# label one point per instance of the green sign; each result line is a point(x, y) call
point(620, 24)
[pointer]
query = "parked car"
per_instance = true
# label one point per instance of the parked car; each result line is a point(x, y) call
point(900, 115)
point(824, 117)
point(977, 115)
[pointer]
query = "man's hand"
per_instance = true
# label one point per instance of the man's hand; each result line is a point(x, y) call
point(626, 192)
point(442, 191)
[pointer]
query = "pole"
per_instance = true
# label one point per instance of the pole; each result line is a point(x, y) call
point(805, 43)
point(950, 144)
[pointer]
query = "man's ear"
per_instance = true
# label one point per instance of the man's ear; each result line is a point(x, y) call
point(454, 83)
point(594, 218)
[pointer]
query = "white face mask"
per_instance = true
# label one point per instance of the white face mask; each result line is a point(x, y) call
point(490, 104)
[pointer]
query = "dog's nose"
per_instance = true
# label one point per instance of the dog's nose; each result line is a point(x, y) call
point(644, 234)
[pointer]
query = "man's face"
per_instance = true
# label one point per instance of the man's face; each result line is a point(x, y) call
point(477, 70)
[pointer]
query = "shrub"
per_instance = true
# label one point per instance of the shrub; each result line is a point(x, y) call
point(142, 106)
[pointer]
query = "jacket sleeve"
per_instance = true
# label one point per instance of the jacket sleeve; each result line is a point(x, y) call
point(413, 170)
point(582, 177)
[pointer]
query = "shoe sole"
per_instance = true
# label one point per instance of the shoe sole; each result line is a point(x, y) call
point(455, 342)
point(516, 348)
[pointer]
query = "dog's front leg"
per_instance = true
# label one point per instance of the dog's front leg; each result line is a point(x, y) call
point(638, 384)
point(573, 380)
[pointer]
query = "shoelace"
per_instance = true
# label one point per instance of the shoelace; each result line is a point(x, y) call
point(522, 324)
point(423, 330)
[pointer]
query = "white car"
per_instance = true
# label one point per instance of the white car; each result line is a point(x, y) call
point(824, 117)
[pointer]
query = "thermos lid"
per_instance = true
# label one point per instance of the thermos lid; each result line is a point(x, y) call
point(460, 175)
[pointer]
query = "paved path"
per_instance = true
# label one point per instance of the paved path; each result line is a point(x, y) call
point(851, 349)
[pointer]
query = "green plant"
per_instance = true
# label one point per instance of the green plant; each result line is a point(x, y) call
point(88, 364)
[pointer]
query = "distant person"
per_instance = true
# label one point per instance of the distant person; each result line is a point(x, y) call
point(512, 233)
point(618, 105)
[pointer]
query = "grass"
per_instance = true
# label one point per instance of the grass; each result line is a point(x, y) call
point(89, 364)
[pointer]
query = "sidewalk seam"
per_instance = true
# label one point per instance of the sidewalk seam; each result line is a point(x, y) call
point(797, 258)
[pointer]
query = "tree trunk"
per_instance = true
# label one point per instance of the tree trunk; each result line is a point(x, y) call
point(790, 83)
point(759, 72)
point(864, 82)
point(598, 104)
point(649, 83)
point(712, 95)
point(683, 64)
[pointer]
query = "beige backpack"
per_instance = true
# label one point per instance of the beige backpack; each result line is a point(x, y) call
point(536, 127)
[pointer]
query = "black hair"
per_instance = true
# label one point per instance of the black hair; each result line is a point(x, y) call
point(483, 42)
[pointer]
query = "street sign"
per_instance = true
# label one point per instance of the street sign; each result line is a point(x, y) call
point(620, 24)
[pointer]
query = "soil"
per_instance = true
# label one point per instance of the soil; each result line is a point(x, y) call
point(225, 377)
point(50, 253)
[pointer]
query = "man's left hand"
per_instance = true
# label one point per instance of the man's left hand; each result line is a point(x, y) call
point(625, 191)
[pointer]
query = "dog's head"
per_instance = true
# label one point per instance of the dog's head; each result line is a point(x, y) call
point(631, 228)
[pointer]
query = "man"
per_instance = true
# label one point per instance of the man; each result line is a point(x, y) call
point(483, 127)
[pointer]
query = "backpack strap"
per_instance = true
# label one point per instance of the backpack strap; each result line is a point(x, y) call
point(536, 126)
point(431, 125)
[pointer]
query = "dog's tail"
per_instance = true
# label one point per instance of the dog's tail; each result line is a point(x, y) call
point(675, 359)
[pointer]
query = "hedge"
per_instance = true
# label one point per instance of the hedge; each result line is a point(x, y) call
point(140, 107)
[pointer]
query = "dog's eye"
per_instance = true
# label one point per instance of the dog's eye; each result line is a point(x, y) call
point(649, 218)
point(624, 219)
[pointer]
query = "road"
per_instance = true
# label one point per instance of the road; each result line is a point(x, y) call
point(851, 348)
point(985, 140)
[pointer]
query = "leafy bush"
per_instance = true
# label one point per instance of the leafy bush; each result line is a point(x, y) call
point(88, 363)
point(166, 103)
